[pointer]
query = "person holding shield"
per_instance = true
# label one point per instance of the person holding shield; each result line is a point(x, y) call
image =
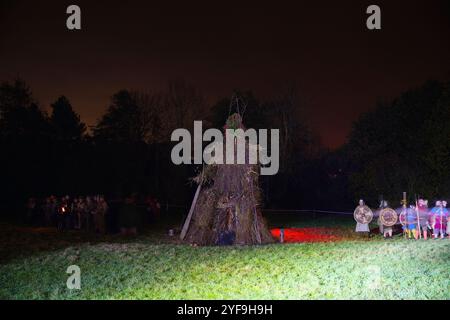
point(363, 216)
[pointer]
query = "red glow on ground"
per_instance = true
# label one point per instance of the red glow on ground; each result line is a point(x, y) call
point(293, 235)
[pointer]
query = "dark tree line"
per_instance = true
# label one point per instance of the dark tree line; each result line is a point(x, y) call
point(403, 145)
point(127, 151)
point(399, 146)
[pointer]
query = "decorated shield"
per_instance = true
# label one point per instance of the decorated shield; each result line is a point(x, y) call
point(388, 217)
point(363, 214)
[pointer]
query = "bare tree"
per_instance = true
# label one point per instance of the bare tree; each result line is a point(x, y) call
point(183, 104)
point(132, 117)
point(288, 116)
point(149, 117)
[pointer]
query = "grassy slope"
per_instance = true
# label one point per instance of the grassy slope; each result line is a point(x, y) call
point(145, 269)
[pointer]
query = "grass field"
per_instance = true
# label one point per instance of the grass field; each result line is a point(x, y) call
point(154, 266)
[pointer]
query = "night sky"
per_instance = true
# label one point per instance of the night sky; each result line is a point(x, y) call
point(338, 66)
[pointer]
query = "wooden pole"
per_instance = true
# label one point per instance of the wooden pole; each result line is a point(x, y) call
point(191, 211)
point(405, 210)
point(418, 221)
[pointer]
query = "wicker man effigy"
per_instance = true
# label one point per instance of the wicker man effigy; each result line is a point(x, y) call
point(226, 206)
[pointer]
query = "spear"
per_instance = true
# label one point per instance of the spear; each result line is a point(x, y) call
point(418, 219)
point(442, 212)
point(405, 229)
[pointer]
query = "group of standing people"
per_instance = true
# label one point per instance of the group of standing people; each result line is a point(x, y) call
point(66, 213)
point(420, 221)
point(416, 221)
point(93, 213)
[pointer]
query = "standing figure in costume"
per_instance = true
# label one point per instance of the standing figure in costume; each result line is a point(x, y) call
point(74, 211)
point(63, 211)
point(48, 211)
point(128, 218)
point(445, 217)
point(405, 214)
point(83, 212)
point(383, 204)
point(438, 216)
point(95, 214)
point(54, 209)
point(153, 209)
point(86, 214)
point(423, 213)
point(31, 210)
point(363, 216)
point(411, 223)
point(102, 210)
point(79, 212)
point(69, 221)
point(444, 204)
point(387, 219)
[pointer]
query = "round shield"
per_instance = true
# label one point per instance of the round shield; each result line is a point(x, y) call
point(363, 214)
point(388, 217)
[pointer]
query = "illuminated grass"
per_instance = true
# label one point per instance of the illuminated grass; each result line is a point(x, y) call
point(141, 269)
